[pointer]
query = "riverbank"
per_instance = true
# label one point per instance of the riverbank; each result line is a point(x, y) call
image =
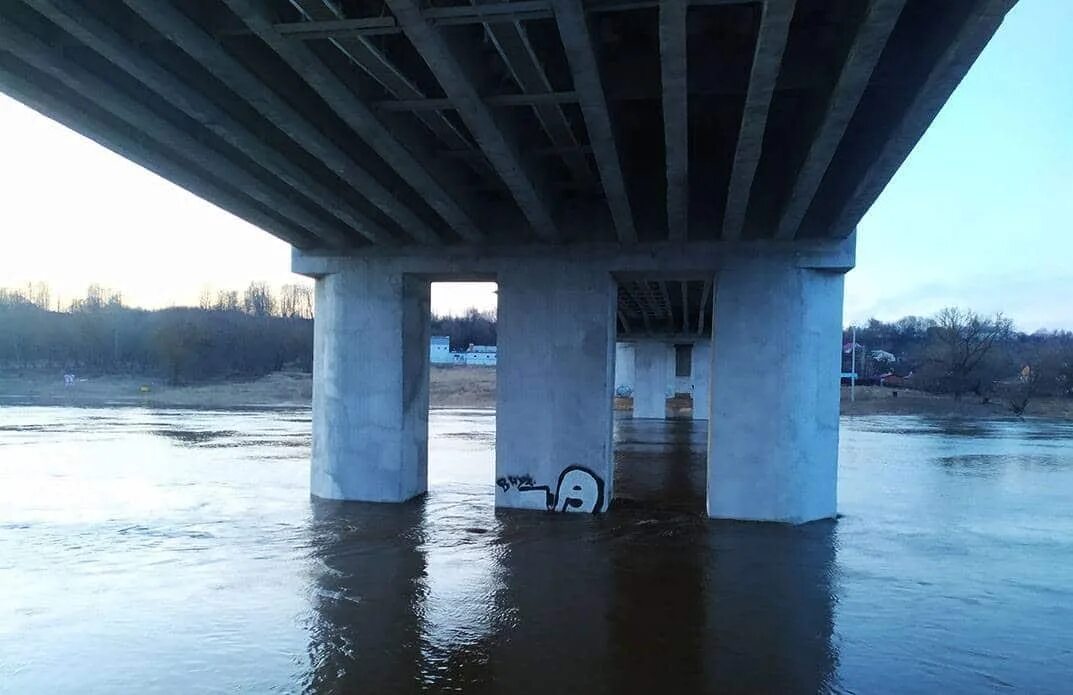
point(449, 387)
point(878, 400)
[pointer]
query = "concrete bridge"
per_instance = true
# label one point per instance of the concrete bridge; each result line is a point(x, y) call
point(638, 169)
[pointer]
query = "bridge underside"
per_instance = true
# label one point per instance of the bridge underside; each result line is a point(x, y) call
point(684, 171)
point(344, 124)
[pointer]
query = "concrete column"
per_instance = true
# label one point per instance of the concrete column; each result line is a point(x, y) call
point(624, 366)
point(773, 430)
point(652, 364)
point(555, 386)
point(701, 376)
point(370, 385)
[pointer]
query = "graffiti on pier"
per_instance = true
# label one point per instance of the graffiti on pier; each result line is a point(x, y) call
point(578, 490)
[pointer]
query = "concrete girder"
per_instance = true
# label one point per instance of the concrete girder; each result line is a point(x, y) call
point(204, 49)
point(504, 155)
point(360, 119)
point(822, 148)
point(72, 16)
point(944, 76)
point(674, 82)
point(123, 142)
point(861, 60)
point(685, 306)
point(49, 61)
point(373, 61)
point(767, 61)
point(512, 42)
point(702, 310)
point(574, 32)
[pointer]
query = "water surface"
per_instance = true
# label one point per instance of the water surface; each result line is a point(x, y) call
point(178, 551)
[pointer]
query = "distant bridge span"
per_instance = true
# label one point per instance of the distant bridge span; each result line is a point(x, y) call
point(687, 170)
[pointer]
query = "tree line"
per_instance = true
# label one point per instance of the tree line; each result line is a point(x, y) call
point(231, 334)
point(959, 352)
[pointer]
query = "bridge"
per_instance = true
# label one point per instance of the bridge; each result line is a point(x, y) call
point(671, 171)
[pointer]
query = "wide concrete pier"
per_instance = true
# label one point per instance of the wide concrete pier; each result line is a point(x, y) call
point(764, 352)
point(684, 176)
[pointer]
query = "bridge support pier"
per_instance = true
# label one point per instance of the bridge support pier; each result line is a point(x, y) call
point(651, 374)
point(370, 394)
point(773, 431)
point(773, 372)
point(701, 376)
point(555, 384)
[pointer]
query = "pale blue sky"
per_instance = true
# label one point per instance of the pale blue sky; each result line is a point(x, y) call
point(979, 215)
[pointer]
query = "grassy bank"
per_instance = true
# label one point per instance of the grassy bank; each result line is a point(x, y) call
point(876, 400)
point(449, 387)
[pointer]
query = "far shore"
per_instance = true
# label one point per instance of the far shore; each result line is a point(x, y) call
point(449, 387)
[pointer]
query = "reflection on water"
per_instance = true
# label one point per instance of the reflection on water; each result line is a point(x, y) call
point(618, 603)
point(164, 551)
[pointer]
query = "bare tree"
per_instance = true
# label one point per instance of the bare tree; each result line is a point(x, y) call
point(296, 301)
point(39, 294)
point(205, 299)
point(226, 300)
point(960, 350)
point(258, 300)
point(98, 297)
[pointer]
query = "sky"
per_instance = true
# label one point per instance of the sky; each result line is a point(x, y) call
point(979, 215)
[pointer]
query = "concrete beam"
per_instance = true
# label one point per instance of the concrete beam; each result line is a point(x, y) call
point(353, 111)
point(702, 309)
point(767, 61)
point(860, 62)
point(491, 136)
point(662, 285)
point(685, 306)
point(697, 260)
point(530, 100)
point(673, 73)
point(207, 51)
point(73, 18)
point(513, 45)
point(943, 78)
point(574, 31)
point(459, 15)
point(49, 61)
point(370, 59)
point(642, 307)
point(123, 142)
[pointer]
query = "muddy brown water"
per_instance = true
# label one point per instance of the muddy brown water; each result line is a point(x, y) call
point(178, 551)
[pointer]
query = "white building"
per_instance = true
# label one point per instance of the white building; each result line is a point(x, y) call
point(480, 355)
point(439, 350)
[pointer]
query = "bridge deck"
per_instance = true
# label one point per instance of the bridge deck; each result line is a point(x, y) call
point(337, 125)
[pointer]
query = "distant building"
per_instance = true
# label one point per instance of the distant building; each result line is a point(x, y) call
point(439, 350)
point(481, 355)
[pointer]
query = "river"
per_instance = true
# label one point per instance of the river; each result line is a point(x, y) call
point(178, 551)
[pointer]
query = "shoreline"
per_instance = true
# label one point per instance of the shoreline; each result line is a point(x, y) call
point(449, 387)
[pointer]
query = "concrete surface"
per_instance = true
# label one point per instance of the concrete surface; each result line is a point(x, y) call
point(370, 387)
point(555, 385)
point(773, 432)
